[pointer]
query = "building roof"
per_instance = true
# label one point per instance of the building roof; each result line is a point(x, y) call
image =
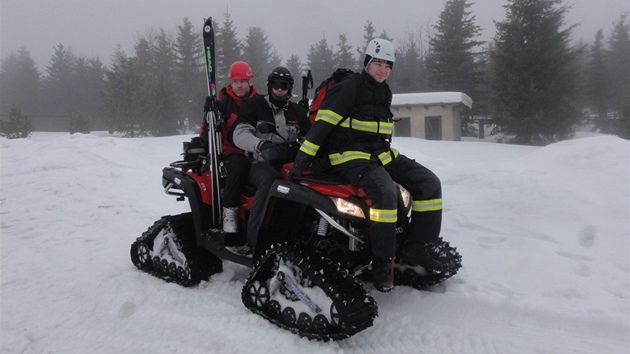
point(431, 98)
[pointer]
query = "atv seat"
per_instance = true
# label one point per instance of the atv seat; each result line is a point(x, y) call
point(323, 178)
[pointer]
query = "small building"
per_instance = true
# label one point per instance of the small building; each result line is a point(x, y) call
point(430, 115)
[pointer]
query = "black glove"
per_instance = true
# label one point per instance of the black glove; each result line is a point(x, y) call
point(302, 162)
point(295, 173)
point(208, 105)
point(264, 145)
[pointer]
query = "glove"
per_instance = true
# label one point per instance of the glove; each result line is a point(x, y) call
point(302, 162)
point(295, 173)
point(264, 145)
point(208, 105)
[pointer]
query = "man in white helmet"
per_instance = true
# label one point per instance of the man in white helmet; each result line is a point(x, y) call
point(353, 129)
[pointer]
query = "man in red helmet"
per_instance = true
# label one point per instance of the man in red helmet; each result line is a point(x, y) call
point(230, 99)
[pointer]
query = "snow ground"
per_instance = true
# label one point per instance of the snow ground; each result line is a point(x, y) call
point(544, 234)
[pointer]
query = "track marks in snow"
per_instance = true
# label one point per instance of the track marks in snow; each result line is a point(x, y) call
point(586, 237)
point(476, 326)
point(127, 309)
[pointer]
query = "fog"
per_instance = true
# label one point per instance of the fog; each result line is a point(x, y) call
point(95, 28)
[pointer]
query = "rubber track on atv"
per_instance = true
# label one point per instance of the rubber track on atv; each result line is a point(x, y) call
point(356, 309)
point(449, 256)
point(201, 263)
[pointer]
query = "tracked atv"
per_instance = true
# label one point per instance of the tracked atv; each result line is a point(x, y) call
point(309, 254)
point(309, 258)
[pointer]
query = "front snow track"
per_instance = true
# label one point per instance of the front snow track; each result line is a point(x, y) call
point(421, 279)
point(307, 294)
point(168, 250)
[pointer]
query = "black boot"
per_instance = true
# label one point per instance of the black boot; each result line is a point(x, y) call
point(383, 274)
point(420, 254)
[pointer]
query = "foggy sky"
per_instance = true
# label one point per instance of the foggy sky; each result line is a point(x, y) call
point(93, 28)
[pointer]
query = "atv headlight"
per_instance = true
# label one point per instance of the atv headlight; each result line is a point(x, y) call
point(406, 196)
point(347, 207)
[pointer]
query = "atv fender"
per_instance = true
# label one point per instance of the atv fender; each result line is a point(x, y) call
point(173, 178)
point(301, 194)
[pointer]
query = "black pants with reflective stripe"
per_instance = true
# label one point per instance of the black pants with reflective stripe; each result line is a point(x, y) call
point(377, 182)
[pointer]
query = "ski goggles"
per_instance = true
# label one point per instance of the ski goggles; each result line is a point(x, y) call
point(281, 84)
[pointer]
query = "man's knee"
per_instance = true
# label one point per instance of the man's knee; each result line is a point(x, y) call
point(379, 185)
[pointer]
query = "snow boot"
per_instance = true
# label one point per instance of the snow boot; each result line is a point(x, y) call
point(420, 254)
point(230, 220)
point(383, 274)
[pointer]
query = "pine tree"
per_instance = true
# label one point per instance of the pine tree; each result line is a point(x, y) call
point(597, 89)
point(451, 60)
point(320, 59)
point(20, 84)
point(190, 79)
point(452, 64)
point(228, 49)
point(275, 60)
point(259, 54)
point(80, 124)
point(58, 85)
point(368, 35)
point(163, 109)
point(88, 86)
point(409, 73)
point(533, 74)
point(343, 57)
point(17, 126)
point(125, 100)
point(294, 64)
point(166, 107)
point(143, 52)
point(163, 55)
point(481, 105)
point(619, 64)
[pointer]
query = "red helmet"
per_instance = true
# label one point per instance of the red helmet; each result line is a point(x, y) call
point(240, 70)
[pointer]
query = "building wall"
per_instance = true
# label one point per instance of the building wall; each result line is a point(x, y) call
point(450, 118)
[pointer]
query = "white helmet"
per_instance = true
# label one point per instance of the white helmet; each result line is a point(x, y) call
point(380, 48)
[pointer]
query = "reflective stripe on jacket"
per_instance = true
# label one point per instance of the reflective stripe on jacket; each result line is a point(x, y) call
point(354, 122)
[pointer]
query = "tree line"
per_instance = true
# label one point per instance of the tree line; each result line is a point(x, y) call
point(530, 81)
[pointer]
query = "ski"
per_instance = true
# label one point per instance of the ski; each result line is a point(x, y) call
point(213, 120)
point(208, 46)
